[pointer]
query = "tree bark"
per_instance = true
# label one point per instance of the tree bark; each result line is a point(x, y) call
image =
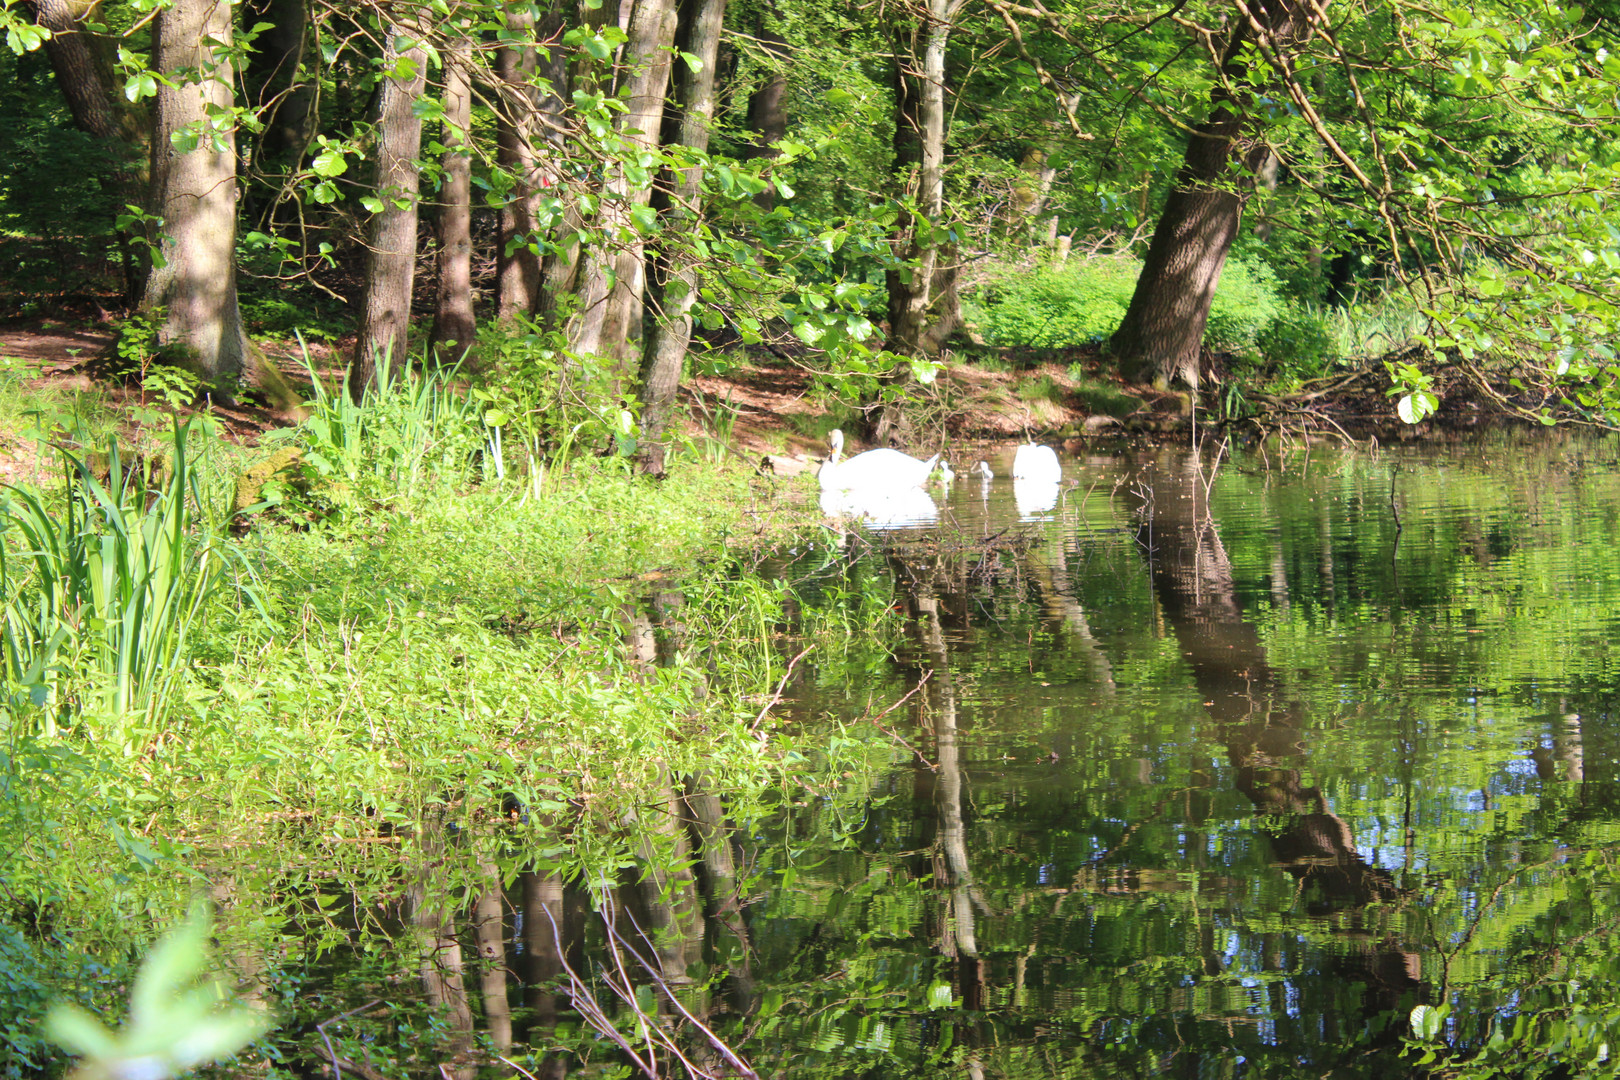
point(1163, 329)
point(194, 192)
point(517, 262)
point(767, 108)
point(454, 327)
point(83, 70)
point(559, 266)
point(281, 91)
point(613, 278)
point(664, 355)
point(391, 259)
point(82, 64)
point(919, 142)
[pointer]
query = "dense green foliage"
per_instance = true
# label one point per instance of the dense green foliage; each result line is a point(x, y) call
point(1063, 121)
point(1081, 304)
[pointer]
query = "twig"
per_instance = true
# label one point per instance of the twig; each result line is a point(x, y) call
point(769, 705)
point(896, 735)
point(337, 1073)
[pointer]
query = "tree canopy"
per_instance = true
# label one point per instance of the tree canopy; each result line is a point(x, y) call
point(650, 183)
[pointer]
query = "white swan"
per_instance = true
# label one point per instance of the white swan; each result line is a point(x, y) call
point(982, 469)
point(946, 473)
point(885, 470)
point(1036, 462)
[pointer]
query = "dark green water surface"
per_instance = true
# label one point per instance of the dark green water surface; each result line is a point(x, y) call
point(1218, 767)
point(1211, 772)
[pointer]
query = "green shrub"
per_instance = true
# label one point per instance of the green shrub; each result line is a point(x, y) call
point(1058, 308)
point(1299, 342)
point(1085, 302)
point(284, 312)
point(1246, 301)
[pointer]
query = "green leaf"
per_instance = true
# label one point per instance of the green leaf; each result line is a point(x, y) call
point(330, 163)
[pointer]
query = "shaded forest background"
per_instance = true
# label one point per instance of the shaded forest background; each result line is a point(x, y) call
point(587, 205)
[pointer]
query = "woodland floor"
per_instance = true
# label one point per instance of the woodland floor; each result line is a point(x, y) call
point(772, 408)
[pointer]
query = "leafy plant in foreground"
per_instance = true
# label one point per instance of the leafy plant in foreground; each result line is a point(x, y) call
point(175, 1020)
point(118, 583)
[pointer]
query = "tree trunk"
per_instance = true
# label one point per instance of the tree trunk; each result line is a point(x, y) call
point(517, 262)
point(919, 141)
point(613, 278)
point(83, 71)
point(194, 192)
point(282, 92)
point(1163, 329)
point(391, 258)
point(767, 111)
point(454, 328)
point(559, 266)
point(665, 352)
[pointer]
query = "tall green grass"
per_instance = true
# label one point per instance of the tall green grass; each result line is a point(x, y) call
point(409, 429)
point(101, 596)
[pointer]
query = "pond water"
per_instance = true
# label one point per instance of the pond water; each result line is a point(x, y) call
point(1207, 765)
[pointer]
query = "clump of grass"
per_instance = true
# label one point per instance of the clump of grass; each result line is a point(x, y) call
point(119, 578)
point(1039, 388)
point(1386, 324)
point(1099, 397)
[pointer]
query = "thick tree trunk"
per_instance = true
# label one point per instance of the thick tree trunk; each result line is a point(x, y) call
point(391, 259)
point(454, 327)
point(665, 352)
point(613, 279)
point(919, 141)
point(1163, 329)
point(194, 192)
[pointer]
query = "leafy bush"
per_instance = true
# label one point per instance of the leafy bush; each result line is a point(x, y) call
point(282, 312)
point(1061, 307)
point(1246, 301)
point(1085, 302)
point(1298, 342)
point(547, 398)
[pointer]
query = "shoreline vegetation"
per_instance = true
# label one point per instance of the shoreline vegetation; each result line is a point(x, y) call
point(390, 662)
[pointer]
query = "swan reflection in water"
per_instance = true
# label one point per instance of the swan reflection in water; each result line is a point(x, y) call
point(1035, 497)
point(882, 508)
